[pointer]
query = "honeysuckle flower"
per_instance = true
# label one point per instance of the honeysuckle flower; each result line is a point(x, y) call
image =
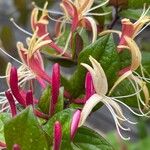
point(42, 23)
point(32, 59)
point(21, 96)
point(130, 29)
point(79, 12)
point(112, 103)
point(55, 88)
point(57, 136)
point(130, 73)
point(75, 123)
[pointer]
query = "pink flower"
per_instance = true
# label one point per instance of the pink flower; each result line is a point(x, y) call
point(42, 24)
point(32, 60)
point(80, 14)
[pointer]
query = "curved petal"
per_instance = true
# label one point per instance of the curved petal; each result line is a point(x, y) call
point(135, 52)
point(98, 76)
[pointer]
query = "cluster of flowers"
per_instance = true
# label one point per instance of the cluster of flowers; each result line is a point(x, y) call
point(77, 13)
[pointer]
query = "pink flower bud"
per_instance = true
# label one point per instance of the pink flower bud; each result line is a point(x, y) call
point(57, 135)
point(55, 87)
point(75, 123)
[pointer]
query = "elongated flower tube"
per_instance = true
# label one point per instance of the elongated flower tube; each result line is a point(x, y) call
point(55, 88)
point(42, 24)
point(11, 103)
point(101, 88)
point(57, 136)
point(13, 82)
point(75, 123)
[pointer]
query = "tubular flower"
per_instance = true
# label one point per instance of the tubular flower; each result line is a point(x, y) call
point(42, 24)
point(112, 103)
point(16, 95)
point(79, 13)
point(130, 72)
point(32, 59)
point(130, 29)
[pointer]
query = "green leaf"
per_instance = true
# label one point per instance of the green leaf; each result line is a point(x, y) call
point(137, 3)
point(44, 102)
point(88, 139)
point(24, 130)
point(65, 118)
point(131, 14)
point(4, 117)
point(103, 50)
point(60, 102)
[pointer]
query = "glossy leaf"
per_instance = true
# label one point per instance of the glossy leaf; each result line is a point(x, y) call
point(88, 139)
point(137, 3)
point(103, 50)
point(65, 118)
point(4, 117)
point(25, 131)
point(44, 102)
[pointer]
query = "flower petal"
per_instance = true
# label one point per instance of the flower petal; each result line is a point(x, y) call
point(98, 76)
point(135, 52)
